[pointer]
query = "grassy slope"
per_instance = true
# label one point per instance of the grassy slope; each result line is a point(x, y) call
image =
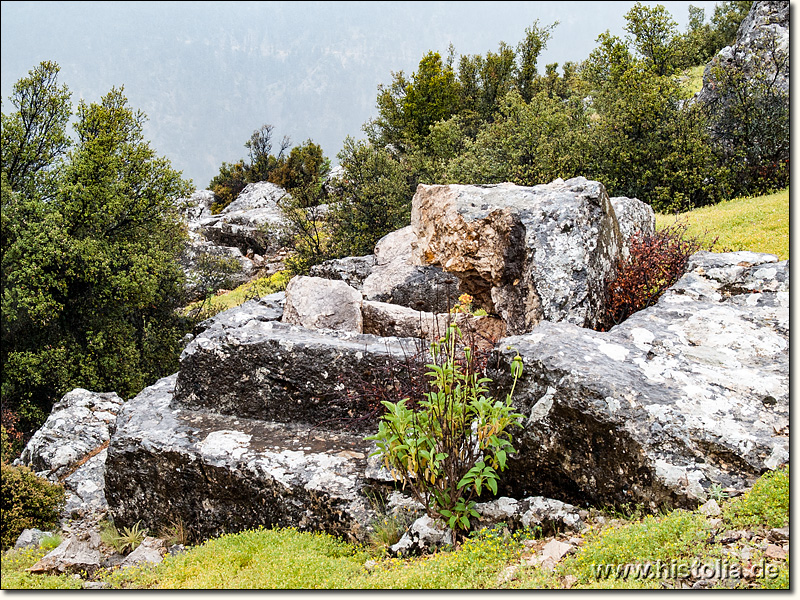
point(288, 559)
point(759, 224)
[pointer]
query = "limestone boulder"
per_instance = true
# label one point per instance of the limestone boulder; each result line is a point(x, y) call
point(353, 270)
point(275, 371)
point(250, 222)
point(71, 448)
point(317, 303)
point(396, 279)
point(73, 555)
point(635, 218)
point(266, 308)
point(691, 392)
point(762, 42)
point(527, 254)
point(223, 473)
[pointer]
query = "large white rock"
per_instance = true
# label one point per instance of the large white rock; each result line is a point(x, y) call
point(526, 253)
point(317, 303)
point(686, 394)
point(71, 448)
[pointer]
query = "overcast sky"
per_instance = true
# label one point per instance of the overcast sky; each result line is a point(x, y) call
point(208, 73)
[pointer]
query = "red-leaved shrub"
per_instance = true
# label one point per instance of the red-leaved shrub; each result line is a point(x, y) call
point(655, 263)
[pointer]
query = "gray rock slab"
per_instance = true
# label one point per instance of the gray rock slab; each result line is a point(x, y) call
point(225, 473)
point(691, 392)
point(287, 373)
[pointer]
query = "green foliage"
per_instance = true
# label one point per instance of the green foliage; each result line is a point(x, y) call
point(528, 144)
point(27, 501)
point(304, 166)
point(252, 290)
point(124, 541)
point(212, 272)
point(672, 536)
point(653, 34)
point(89, 267)
point(749, 121)
point(50, 542)
point(450, 447)
point(765, 505)
point(34, 137)
point(371, 200)
point(227, 185)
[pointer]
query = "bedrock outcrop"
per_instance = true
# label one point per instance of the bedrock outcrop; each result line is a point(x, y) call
point(689, 393)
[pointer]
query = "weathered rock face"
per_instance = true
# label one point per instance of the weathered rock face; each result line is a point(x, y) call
point(548, 514)
point(275, 371)
point(527, 253)
point(71, 448)
point(353, 270)
point(634, 218)
point(762, 35)
point(318, 303)
point(244, 222)
point(73, 555)
point(267, 308)
point(224, 473)
point(685, 394)
point(395, 278)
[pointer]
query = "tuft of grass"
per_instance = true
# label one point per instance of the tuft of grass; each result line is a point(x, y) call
point(257, 288)
point(758, 224)
point(765, 505)
point(50, 542)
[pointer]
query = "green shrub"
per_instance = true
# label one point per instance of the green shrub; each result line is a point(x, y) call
point(766, 505)
point(28, 501)
point(448, 448)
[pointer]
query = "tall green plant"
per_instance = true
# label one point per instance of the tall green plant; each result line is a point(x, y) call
point(449, 447)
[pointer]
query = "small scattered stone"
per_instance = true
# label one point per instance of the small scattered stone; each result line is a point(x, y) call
point(569, 581)
point(776, 552)
point(556, 550)
point(714, 523)
point(778, 534)
point(96, 585)
point(507, 574)
point(710, 509)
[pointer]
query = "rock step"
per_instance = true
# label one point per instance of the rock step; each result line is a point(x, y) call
point(222, 473)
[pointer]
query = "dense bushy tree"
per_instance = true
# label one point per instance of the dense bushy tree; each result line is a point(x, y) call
point(89, 267)
point(528, 144)
point(653, 33)
point(749, 120)
point(372, 198)
point(34, 137)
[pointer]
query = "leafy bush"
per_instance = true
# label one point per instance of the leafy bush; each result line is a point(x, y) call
point(655, 263)
point(450, 447)
point(227, 185)
point(28, 501)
